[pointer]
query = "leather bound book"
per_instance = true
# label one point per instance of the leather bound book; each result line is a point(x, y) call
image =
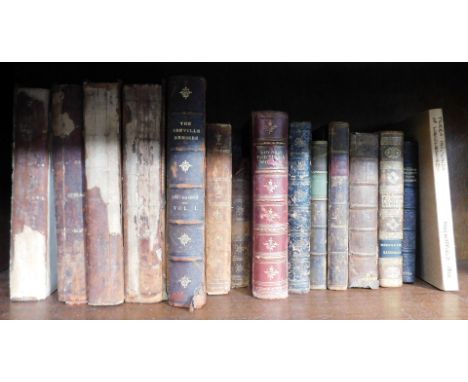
point(338, 205)
point(363, 210)
point(104, 242)
point(318, 201)
point(270, 204)
point(391, 208)
point(218, 208)
point(186, 191)
point(143, 193)
point(32, 245)
point(241, 248)
point(68, 160)
point(299, 207)
point(410, 203)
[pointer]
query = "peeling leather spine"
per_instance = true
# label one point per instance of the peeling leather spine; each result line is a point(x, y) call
point(104, 243)
point(241, 247)
point(318, 231)
point(270, 204)
point(363, 210)
point(391, 209)
point(186, 98)
point(218, 208)
point(32, 250)
point(299, 207)
point(143, 192)
point(68, 159)
point(338, 205)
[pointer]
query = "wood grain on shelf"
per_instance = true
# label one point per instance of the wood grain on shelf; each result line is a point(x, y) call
point(418, 301)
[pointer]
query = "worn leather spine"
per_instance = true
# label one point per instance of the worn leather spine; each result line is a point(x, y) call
point(69, 182)
point(363, 210)
point(318, 226)
point(218, 208)
point(391, 208)
point(143, 193)
point(270, 204)
point(410, 210)
point(186, 98)
point(104, 242)
point(32, 244)
point(241, 248)
point(299, 207)
point(338, 205)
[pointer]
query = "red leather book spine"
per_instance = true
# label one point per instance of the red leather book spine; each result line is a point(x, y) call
point(68, 159)
point(270, 204)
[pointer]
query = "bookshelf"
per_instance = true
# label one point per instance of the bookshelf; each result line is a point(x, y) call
point(367, 95)
point(418, 301)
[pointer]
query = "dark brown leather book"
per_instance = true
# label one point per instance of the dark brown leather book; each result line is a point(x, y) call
point(218, 208)
point(68, 159)
point(338, 205)
point(391, 209)
point(104, 243)
point(32, 244)
point(270, 204)
point(363, 210)
point(241, 247)
point(143, 193)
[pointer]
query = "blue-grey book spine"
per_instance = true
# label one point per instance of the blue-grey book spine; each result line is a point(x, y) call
point(186, 191)
point(410, 204)
point(318, 201)
point(299, 207)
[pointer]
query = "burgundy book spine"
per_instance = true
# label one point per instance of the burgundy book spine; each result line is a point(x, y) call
point(68, 159)
point(270, 204)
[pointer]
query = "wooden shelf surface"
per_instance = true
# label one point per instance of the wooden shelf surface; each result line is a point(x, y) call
point(418, 301)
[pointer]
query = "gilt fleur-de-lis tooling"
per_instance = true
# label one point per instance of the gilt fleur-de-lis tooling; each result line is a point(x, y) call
point(184, 239)
point(271, 272)
point(185, 166)
point(270, 127)
point(185, 92)
point(270, 186)
point(184, 281)
point(269, 215)
point(270, 244)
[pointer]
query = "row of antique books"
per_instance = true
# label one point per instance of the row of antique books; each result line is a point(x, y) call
point(126, 194)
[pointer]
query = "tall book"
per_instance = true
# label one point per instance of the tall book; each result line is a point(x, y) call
point(391, 208)
point(186, 98)
point(363, 210)
point(104, 242)
point(410, 202)
point(68, 164)
point(338, 205)
point(270, 204)
point(218, 208)
point(438, 263)
point(299, 207)
point(241, 248)
point(33, 271)
point(318, 202)
point(143, 193)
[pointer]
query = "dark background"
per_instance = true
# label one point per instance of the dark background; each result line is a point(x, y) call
point(367, 95)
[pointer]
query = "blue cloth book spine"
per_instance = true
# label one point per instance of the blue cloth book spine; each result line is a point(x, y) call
point(299, 207)
point(410, 210)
